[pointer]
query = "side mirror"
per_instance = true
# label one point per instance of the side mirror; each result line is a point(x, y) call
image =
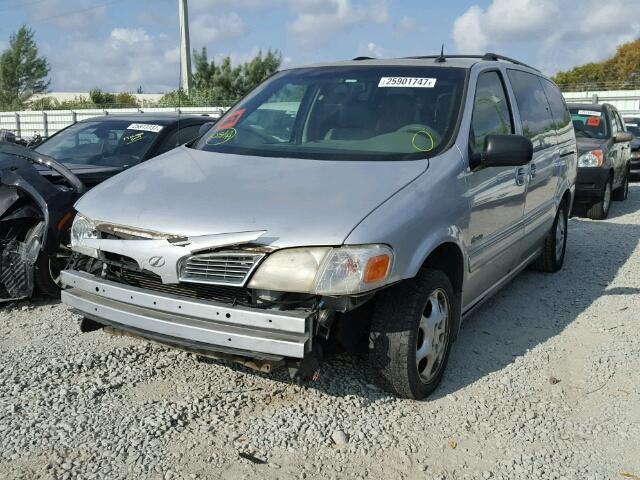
point(506, 151)
point(622, 137)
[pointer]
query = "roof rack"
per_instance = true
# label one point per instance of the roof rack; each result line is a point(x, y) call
point(362, 58)
point(487, 56)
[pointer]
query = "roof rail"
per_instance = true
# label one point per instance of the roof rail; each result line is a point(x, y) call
point(487, 56)
point(496, 57)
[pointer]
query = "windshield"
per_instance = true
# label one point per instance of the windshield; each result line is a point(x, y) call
point(589, 123)
point(390, 113)
point(114, 143)
point(633, 127)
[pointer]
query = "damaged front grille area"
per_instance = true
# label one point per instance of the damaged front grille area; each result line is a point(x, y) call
point(150, 281)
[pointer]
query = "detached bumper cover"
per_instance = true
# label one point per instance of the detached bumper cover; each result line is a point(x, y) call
point(590, 183)
point(170, 319)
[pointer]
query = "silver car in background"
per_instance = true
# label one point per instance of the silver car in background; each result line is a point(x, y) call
point(368, 204)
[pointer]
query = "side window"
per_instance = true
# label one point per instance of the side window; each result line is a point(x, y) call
point(619, 121)
point(559, 109)
point(535, 114)
point(169, 143)
point(615, 126)
point(491, 114)
point(188, 133)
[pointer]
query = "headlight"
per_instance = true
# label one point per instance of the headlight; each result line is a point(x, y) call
point(324, 270)
point(594, 158)
point(82, 228)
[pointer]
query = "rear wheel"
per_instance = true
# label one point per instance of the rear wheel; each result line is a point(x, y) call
point(411, 334)
point(555, 244)
point(600, 210)
point(621, 193)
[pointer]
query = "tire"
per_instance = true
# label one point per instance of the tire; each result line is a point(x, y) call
point(403, 313)
point(44, 278)
point(46, 270)
point(555, 244)
point(600, 210)
point(621, 193)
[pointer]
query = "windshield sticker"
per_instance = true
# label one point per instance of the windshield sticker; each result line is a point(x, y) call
point(232, 119)
point(589, 113)
point(407, 82)
point(133, 138)
point(631, 124)
point(423, 141)
point(145, 127)
point(593, 121)
point(221, 136)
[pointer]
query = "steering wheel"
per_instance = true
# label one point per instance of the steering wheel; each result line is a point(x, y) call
point(46, 161)
point(252, 130)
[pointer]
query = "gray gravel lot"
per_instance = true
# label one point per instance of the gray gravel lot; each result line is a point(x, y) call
point(543, 383)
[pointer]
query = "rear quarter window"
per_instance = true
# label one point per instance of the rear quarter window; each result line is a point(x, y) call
point(535, 114)
point(559, 111)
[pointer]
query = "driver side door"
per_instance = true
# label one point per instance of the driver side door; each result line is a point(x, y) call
point(496, 195)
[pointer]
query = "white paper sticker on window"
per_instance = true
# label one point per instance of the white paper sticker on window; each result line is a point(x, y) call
point(407, 82)
point(631, 124)
point(589, 113)
point(145, 127)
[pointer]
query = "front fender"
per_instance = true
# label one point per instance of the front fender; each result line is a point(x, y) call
point(426, 213)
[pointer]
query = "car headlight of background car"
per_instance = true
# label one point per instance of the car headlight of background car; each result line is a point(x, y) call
point(83, 228)
point(325, 270)
point(594, 158)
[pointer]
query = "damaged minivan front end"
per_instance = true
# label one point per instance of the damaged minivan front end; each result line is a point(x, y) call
point(226, 295)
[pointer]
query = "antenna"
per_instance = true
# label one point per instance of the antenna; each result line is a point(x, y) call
point(441, 58)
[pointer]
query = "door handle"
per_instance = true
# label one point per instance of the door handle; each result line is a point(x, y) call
point(521, 176)
point(533, 170)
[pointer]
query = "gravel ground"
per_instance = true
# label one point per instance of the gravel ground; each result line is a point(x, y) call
point(543, 383)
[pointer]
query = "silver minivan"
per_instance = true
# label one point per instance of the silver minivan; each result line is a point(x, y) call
point(361, 205)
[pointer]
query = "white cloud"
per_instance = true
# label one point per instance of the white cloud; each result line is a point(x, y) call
point(125, 59)
point(208, 28)
point(310, 27)
point(406, 25)
point(374, 50)
point(562, 32)
point(77, 15)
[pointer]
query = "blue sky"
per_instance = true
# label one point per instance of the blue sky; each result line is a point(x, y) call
point(118, 45)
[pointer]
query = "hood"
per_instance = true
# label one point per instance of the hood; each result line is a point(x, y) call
point(588, 144)
point(297, 201)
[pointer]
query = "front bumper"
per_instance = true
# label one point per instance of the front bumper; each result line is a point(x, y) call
point(202, 325)
point(590, 184)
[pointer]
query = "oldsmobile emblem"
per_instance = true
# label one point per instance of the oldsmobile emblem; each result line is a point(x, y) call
point(157, 262)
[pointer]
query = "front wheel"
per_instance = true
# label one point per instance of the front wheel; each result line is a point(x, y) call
point(621, 193)
point(411, 334)
point(600, 210)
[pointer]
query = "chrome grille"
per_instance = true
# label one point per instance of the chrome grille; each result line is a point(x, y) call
point(220, 268)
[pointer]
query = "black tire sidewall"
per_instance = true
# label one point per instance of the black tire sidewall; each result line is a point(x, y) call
point(394, 333)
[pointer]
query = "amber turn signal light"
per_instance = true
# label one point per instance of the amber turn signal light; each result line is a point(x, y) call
point(377, 268)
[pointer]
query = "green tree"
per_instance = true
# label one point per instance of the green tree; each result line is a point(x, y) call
point(222, 83)
point(22, 71)
point(623, 69)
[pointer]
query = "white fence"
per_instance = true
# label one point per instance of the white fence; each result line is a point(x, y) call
point(626, 101)
point(27, 123)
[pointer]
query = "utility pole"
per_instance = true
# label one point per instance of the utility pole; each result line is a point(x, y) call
point(185, 47)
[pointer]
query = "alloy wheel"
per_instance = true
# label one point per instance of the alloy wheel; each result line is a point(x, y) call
point(433, 332)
